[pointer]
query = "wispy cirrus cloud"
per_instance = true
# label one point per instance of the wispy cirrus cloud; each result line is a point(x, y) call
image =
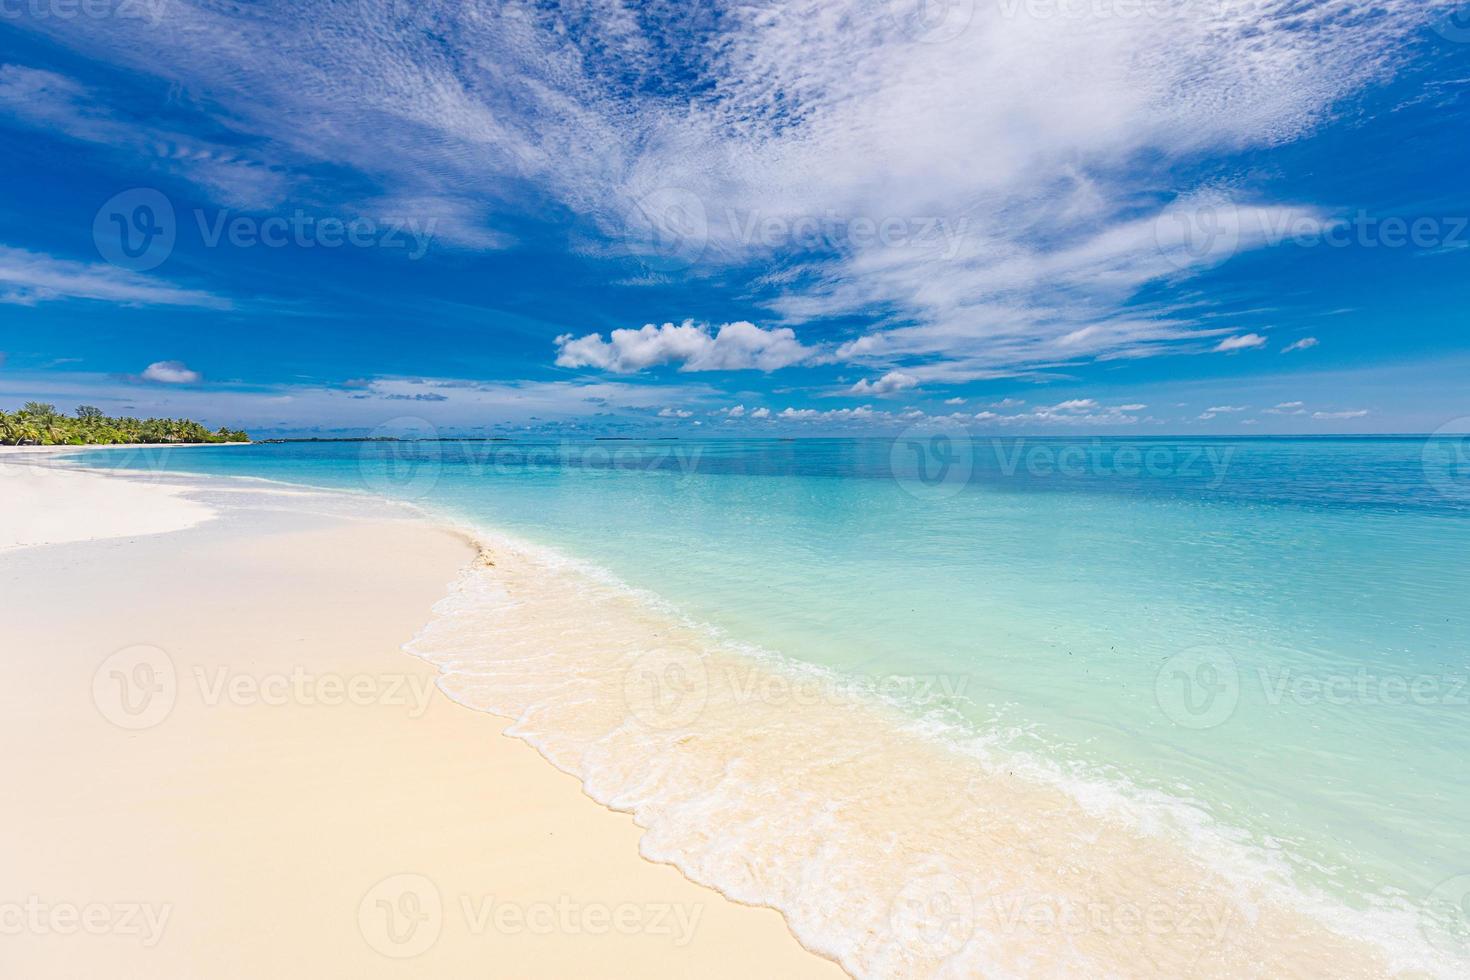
point(733, 141)
point(28, 278)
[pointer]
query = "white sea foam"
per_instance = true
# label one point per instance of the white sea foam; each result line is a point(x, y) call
point(896, 838)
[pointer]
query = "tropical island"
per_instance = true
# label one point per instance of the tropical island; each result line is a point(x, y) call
point(40, 424)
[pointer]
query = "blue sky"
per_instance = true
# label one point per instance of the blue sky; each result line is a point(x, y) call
point(1036, 216)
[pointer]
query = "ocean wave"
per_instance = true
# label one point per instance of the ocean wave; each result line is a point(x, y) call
point(895, 837)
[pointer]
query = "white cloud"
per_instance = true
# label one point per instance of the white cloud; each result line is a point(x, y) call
point(954, 401)
point(1245, 341)
point(1306, 343)
point(1014, 132)
point(1287, 408)
point(27, 278)
point(1074, 411)
point(1227, 408)
point(761, 413)
point(171, 373)
point(890, 384)
point(1009, 403)
point(1350, 414)
point(736, 346)
point(674, 413)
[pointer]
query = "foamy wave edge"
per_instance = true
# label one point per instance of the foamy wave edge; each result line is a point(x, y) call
point(1393, 924)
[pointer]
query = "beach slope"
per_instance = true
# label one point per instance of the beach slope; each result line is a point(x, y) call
point(222, 764)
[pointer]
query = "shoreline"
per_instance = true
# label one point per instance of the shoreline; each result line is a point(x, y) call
point(1317, 945)
point(271, 803)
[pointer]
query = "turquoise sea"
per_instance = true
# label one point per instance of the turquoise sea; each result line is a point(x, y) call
point(1256, 650)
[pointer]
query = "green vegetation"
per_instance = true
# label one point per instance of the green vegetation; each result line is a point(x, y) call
point(39, 424)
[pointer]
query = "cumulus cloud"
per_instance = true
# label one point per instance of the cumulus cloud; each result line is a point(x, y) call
point(674, 413)
point(171, 373)
point(1306, 343)
point(890, 384)
point(954, 401)
point(1245, 341)
point(737, 346)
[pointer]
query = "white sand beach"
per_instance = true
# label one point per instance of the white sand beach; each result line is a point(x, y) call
point(221, 763)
